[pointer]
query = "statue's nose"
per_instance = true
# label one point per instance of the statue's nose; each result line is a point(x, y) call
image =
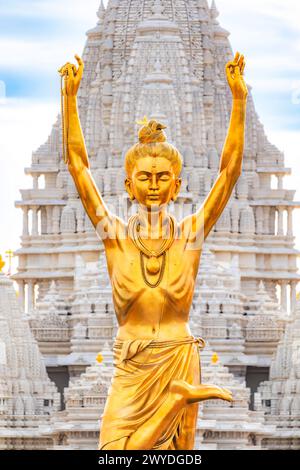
point(153, 184)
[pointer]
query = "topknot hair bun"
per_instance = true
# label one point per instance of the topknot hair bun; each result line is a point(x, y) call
point(151, 132)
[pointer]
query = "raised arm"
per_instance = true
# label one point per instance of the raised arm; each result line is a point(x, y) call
point(198, 225)
point(77, 159)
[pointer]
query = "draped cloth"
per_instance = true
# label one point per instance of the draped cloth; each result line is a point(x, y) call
point(143, 372)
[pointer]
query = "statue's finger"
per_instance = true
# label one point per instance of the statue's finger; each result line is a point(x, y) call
point(237, 70)
point(243, 67)
point(79, 61)
point(79, 74)
point(230, 64)
point(236, 58)
point(70, 70)
point(63, 67)
point(63, 71)
point(229, 71)
point(240, 61)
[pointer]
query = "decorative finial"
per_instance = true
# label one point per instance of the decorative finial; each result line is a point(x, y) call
point(9, 254)
point(99, 358)
point(100, 14)
point(2, 264)
point(101, 9)
point(214, 358)
point(214, 11)
point(143, 122)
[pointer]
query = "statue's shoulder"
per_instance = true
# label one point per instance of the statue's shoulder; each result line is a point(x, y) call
point(111, 229)
point(190, 230)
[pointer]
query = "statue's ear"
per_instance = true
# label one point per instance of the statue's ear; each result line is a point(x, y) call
point(177, 189)
point(178, 181)
point(127, 183)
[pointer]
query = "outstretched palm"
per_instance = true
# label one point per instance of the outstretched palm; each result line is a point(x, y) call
point(234, 73)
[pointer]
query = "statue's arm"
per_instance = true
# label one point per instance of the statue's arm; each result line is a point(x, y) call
point(77, 158)
point(199, 224)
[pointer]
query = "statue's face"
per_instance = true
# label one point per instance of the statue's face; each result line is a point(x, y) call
point(153, 182)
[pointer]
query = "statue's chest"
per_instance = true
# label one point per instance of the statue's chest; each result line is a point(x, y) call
point(135, 273)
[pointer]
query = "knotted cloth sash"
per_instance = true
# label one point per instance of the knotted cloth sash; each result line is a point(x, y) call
point(130, 348)
point(140, 386)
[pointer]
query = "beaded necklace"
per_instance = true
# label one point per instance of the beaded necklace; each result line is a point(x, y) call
point(153, 264)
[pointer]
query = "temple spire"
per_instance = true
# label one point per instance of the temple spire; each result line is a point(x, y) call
point(101, 10)
point(213, 9)
point(101, 13)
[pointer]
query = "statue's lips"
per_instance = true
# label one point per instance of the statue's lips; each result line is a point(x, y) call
point(153, 196)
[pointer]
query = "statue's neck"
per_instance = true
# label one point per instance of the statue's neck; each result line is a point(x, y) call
point(153, 224)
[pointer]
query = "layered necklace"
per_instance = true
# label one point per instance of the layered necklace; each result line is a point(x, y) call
point(152, 263)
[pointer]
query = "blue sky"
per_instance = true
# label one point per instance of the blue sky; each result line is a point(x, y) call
point(37, 36)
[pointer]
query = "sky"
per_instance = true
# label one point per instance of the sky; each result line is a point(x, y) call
point(38, 36)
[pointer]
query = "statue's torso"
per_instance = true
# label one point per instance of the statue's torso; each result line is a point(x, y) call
point(146, 312)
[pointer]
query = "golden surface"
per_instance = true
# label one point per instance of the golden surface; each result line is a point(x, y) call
point(2, 263)
point(154, 395)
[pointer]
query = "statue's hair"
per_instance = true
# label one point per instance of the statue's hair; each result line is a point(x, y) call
point(152, 143)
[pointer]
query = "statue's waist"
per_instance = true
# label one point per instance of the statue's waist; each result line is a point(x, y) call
point(159, 343)
point(128, 349)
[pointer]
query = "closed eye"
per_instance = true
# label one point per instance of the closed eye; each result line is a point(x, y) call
point(143, 178)
point(165, 178)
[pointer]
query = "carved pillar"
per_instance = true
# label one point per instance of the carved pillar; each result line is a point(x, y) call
point(290, 222)
point(280, 181)
point(25, 222)
point(283, 285)
point(259, 220)
point(272, 220)
point(293, 285)
point(34, 231)
point(35, 182)
point(49, 219)
point(30, 295)
point(56, 219)
point(44, 225)
point(280, 222)
point(266, 223)
point(21, 288)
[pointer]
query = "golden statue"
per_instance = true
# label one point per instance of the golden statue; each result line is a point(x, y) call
point(2, 264)
point(153, 262)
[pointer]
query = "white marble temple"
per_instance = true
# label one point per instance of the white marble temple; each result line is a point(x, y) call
point(164, 59)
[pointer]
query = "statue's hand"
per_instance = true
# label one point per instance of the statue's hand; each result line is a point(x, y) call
point(72, 76)
point(234, 73)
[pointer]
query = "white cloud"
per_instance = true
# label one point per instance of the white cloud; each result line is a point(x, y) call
point(267, 32)
point(37, 55)
point(287, 11)
point(276, 85)
point(76, 10)
point(26, 52)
